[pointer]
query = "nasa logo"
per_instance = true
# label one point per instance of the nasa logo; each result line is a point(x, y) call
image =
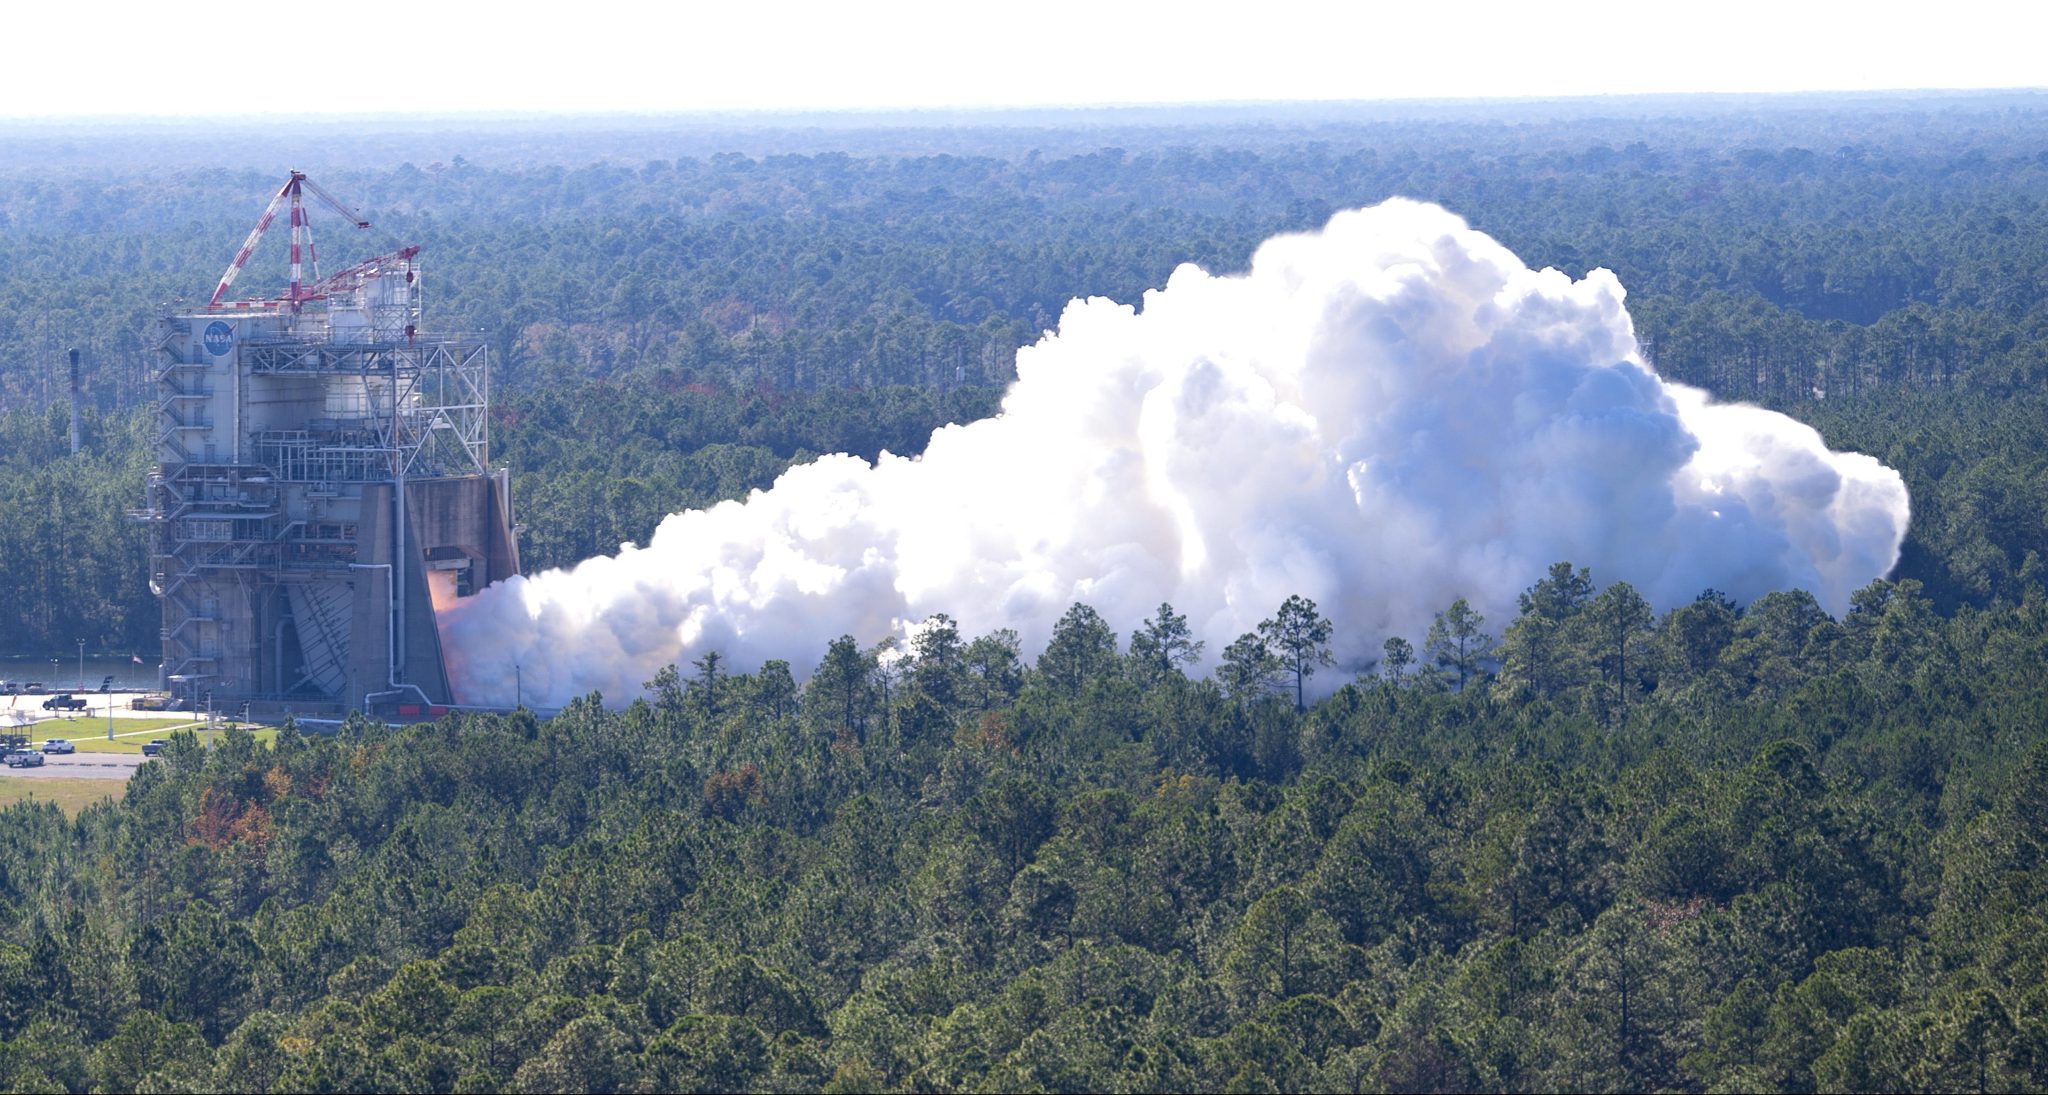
point(218, 339)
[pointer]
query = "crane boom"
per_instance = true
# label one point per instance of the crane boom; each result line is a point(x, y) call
point(302, 236)
point(335, 204)
point(298, 229)
point(241, 258)
point(341, 281)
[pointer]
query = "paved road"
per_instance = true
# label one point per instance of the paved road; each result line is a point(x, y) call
point(96, 707)
point(82, 766)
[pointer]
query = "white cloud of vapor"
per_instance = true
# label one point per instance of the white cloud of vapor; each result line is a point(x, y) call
point(1384, 415)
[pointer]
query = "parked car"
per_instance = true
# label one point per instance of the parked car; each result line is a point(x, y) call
point(59, 745)
point(153, 748)
point(65, 702)
point(27, 758)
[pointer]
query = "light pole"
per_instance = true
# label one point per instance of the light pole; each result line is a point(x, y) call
point(518, 687)
point(81, 665)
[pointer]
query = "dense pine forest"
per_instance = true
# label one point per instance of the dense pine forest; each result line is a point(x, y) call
point(1729, 847)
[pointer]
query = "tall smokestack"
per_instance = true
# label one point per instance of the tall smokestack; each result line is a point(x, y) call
point(74, 402)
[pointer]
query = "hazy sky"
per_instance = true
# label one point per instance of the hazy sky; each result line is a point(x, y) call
point(68, 60)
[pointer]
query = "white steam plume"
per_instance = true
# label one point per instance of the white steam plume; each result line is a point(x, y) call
point(1383, 416)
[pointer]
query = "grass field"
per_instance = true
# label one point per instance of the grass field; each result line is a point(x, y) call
point(90, 727)
point(70, 795)
point(133, 741)
point(129, 734)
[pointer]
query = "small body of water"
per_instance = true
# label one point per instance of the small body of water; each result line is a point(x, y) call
point(63, 675)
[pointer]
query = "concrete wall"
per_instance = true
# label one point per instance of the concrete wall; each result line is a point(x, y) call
point(460, 514)
point(470, 515)
point(369, 657)
point(420, 636)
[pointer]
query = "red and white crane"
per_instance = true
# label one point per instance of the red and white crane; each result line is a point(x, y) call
point(302, 231)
